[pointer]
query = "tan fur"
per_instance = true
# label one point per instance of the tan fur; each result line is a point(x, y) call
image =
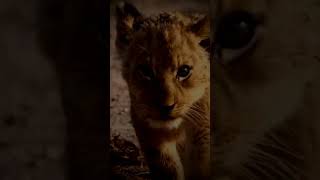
point(266, 97)
point(164, 43)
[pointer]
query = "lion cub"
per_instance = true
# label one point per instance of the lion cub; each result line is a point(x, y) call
point(166, 67)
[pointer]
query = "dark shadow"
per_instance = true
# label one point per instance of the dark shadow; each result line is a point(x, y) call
point(73, 35)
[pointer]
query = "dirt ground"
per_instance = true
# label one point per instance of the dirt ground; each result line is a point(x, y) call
point(127, 161)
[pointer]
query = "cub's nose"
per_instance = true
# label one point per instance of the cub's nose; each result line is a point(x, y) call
point(165, 110)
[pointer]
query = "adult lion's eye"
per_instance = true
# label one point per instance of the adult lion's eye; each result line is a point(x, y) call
point(146, 72)
point(183, 72)
point(236, 30)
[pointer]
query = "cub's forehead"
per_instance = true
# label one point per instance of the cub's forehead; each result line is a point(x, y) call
point(158, 54)
point(166, 39)
point(163, 40)
point(163, 31)
point(170, 29)
point(157, 49)
point(156, 40)
point(164, 20)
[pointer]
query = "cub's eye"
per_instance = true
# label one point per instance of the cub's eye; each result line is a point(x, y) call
point(236, 30)
point(145, 72)
point(183, 72)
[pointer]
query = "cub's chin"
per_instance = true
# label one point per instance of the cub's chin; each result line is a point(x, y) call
point(169, 124)
point(167, 118)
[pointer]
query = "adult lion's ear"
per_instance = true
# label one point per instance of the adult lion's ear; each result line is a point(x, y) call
point(127, 18)
point(202, 30)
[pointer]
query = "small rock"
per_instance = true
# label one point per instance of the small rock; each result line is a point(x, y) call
point(31, 164)
point(10, 121)
point(306, 17)
point(25, 107)
point(54, 153)
point(4, 144)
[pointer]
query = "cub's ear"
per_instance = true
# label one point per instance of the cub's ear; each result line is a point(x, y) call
point(127, 16)
point(201, 28)
point(127, 9)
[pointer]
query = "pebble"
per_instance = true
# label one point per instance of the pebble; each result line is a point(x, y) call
point(10, 121)
point(54, 153)
point(31, 164)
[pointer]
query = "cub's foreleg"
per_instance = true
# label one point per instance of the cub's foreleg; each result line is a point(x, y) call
point(160, 149)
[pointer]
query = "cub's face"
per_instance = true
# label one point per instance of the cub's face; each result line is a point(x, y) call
point(261, 69)
point(166, 68)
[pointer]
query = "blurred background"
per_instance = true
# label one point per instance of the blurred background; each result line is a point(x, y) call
point(49, 54)
point(32, 124)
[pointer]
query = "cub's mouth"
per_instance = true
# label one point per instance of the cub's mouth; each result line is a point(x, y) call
point(165, 124)
point(169, 113)
point(156, 116)
point(168, 117)
point(165, 117)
